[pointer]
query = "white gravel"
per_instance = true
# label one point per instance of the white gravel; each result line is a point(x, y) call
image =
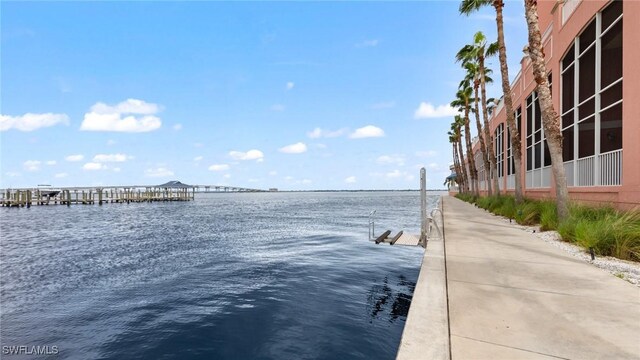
point(627, 270)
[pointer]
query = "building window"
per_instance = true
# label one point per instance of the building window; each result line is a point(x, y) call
point(499, 149)
point(591, 102)
point(538, 156)
point(511, 166)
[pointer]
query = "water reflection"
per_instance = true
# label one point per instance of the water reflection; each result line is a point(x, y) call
point(390, 302)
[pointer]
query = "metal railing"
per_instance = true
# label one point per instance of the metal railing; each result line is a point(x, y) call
point(585, 171)
point(610, 168)
point(568, 171)
point(434, 224)
point(372, 225)
point(511, 181)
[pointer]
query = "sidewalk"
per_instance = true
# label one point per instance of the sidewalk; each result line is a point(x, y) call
point(512, 296)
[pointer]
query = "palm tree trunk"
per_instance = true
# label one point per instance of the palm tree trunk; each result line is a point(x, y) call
point(487, 131)
point(456, 166)
point(473, 172)
point(485, 156)
point(463, 166)
point(550, 118)
point(508, 102)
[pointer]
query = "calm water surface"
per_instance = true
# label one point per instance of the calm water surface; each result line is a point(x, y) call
point(228, 276)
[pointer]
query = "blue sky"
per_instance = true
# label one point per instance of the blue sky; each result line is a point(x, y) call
point(293, 95)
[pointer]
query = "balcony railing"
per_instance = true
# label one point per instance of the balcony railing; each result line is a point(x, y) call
point(611, 168)
point(585, 172)
point(511, 182)
point(568, 171)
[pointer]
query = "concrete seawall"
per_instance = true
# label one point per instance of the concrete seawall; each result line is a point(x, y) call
point(493, 291)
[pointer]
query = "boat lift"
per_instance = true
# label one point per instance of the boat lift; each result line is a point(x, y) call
point(427, 223)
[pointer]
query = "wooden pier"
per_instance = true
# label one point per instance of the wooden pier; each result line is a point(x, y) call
point(171, 191)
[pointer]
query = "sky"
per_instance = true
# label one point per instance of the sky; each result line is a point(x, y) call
point(291, 95)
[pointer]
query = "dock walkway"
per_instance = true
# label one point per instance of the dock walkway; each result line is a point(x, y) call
point(510, 295)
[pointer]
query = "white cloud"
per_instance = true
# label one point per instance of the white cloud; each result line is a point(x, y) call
point(219, 167)
point(437, 167)
point(60, 175)
point(427, 110)
point(319, 133)
point(51, 162)
point(158, 172)
point(249, 155)
point(111, 142)
point(391, 159)
point(94, 166)
point(73, 158)
point(13, 174)
point(116, 169)
point(32, 165)
point(290, 85)
point(350, 180)
point(306, 181)
point(111, 158)
point(383, 105)
point(277, 107)
point(368, 43)
point(397, 174)
point(394, 174)
point(198, 158)
point(122, 117)
point(367, 132)
point(297, 148)
point(288, 178)
point(177, 127)
point(227, 176)
point(273, 173)
point(30, 121)
point(426, 154)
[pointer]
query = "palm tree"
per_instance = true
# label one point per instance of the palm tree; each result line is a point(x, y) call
point(550, 118)
point(456, 162)
point(463, 102)
point(467, 7)
point(456, 127)
point(478, 51)
point(473, 76)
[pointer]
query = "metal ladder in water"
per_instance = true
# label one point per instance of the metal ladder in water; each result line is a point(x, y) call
point(427, 222)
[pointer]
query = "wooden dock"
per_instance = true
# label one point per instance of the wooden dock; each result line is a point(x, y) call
point(90, 196)
point(171, 191)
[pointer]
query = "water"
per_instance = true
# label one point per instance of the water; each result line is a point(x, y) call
point(228, 276)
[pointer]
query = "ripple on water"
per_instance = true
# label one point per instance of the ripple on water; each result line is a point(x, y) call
point(236, 276)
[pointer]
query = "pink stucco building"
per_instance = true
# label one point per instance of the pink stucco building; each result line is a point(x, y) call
point(592, 50)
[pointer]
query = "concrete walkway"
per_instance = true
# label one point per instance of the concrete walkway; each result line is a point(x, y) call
point(513, 296)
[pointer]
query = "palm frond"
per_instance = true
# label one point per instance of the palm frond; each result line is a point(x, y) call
point(492, 49)
point(469, 6)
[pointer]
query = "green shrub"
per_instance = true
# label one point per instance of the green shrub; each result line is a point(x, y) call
point(507, 208)
point(465, 197)
point(527, 213)
point(596, 234)
point(603, 229)
point(548, 215)
point(483, 202)
point(626, 232)
point(567, 229)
